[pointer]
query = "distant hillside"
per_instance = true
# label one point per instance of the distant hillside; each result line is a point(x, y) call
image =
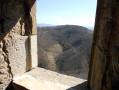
point(45, 25)
point(52, 25)
point(65, 49)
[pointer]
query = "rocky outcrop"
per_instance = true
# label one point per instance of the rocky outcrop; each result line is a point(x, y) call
point(17, 20)
point(104, 65)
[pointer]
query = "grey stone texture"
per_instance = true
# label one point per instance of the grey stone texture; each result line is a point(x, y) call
point(18, 55)
point(104, 65)
point(17, 20)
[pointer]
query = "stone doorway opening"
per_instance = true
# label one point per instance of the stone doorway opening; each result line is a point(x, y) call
point(63, 48)
point(15, 14)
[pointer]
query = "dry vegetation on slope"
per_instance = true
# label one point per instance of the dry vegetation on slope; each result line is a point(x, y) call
point(65, 49)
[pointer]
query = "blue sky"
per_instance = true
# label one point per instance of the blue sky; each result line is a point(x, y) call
point(61, 12)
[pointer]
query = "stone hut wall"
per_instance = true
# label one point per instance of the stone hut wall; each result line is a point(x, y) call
point(17, 27)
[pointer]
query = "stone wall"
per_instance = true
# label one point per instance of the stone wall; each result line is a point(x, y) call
point(18, 54)
point(17, 23)
point(104, 65)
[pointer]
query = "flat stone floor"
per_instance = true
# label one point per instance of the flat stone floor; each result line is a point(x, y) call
point(42, 79)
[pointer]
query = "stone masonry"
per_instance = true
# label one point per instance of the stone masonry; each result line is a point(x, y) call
point(17, 24)
point(104, 66)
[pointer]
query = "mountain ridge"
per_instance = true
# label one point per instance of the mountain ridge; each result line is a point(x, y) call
point(52, 25)
point(63, 47)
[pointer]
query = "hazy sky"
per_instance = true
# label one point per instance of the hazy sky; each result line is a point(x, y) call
point(60, 12)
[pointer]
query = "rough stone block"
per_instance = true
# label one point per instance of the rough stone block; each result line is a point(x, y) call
point(18, 55)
